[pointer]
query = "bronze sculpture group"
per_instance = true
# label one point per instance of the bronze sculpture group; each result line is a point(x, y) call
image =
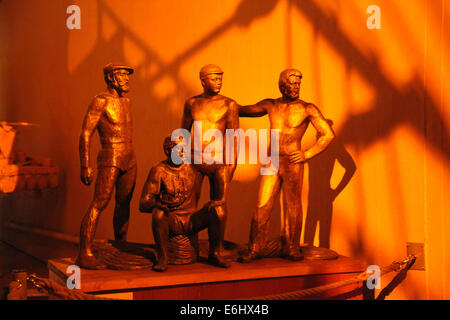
point(172, 189)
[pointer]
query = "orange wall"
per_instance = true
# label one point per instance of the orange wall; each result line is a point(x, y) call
point(3, 63)
point(386, 90)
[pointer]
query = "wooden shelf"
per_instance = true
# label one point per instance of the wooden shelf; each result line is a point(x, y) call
point(203, 281)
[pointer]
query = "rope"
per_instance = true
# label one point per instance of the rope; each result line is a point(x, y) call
point(364, 276)
point(181, 250)
point(54, 289)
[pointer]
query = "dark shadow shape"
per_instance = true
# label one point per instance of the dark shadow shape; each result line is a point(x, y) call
point(246, 13)
point(321, 195)
point(412, 105)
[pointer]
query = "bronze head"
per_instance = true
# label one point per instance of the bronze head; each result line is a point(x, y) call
point(168, 146)
point(116, 76)
point(289, 83)
point(211, 78)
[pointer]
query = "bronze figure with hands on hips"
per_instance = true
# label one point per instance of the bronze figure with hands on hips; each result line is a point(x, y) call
point(291, 117)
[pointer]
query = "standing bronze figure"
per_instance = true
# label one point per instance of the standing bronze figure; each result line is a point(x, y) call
point(213, 111)
point(171, 194)
point(291, 116)
point(110, 114)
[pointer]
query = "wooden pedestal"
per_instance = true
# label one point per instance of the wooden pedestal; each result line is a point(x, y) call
point(200, 281)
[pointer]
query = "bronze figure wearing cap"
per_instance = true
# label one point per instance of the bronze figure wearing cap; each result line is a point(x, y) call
point(291, 117)
point(213, 111)
point(110, 115)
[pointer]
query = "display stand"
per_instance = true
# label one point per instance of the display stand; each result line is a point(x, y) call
point(200, 281)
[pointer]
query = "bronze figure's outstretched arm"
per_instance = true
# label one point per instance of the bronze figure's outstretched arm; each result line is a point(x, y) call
point(255, 110)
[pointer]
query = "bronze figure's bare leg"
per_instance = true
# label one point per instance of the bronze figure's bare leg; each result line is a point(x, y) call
point(199, 220)
point(216, 230)
point(104, 187)
point(160, 228)
point(124, 191)
point(269, 189)
point(293, 216)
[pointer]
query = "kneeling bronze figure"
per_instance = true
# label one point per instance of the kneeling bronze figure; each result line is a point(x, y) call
point(171, 194)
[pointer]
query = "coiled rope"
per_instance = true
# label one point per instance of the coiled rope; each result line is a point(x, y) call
point(364, 276)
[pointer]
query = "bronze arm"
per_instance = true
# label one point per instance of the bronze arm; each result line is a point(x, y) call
point(90, 122)
point(150, 192)
point(323, 128)
point(255, 110)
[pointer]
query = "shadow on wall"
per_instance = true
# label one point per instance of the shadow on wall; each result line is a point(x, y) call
point(321, 195)
point(393, 107)
point(412, 105)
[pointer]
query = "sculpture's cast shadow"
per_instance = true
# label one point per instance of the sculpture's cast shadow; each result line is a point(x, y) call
point(321, 194)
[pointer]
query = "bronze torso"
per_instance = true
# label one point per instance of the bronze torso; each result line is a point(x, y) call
point(291, 121)
point(177, 187)
point(115, 124)
point(212, 112)
point(115, 131)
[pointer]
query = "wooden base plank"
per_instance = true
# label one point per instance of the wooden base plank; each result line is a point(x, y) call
point(202, 281)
